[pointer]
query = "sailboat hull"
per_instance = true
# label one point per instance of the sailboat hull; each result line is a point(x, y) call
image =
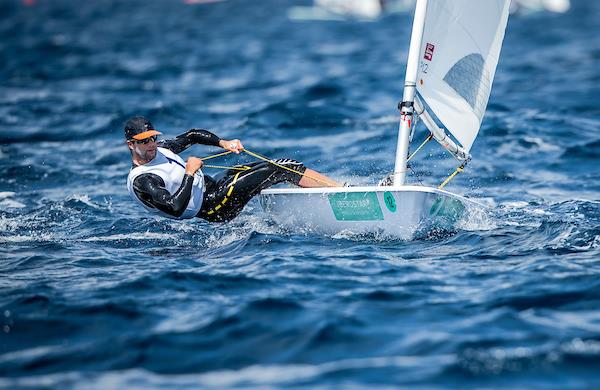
point(388, 212)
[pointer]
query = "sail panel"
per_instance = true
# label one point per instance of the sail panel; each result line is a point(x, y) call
point(459, 55)
point(469, 79)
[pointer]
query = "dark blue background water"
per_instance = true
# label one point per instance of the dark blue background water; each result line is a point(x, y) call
point(94, 293)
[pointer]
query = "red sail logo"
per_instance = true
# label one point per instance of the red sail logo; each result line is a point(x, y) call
point(429, 48)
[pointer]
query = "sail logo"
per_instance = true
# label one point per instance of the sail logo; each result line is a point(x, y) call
point(429, 49)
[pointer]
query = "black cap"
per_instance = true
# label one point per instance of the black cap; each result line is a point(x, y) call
point(138, 128)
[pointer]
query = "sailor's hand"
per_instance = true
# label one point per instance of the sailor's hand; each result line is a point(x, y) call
point(234, 146)
point(192, 165)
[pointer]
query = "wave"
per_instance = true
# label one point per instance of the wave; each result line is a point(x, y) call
point(586, 151)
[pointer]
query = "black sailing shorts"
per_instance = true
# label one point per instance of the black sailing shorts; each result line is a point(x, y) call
point(226, 194)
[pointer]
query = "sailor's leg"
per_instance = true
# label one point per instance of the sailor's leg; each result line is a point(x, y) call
point(234, 191)
point(312, 179)
point(228, 174)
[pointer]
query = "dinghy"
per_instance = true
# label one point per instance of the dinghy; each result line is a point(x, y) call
point(338, 10)
point(532, 6)
point(362, 10)
point(453, 55)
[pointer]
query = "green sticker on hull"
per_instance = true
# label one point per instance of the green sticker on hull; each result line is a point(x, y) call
point(390, 202)
point(356, 206)
point(449, 208)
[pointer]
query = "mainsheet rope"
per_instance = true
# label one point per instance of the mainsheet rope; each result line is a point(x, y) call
point(452, 176)
point(456, 172)
point(263, 158)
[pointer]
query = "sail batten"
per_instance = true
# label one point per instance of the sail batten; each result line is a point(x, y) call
point(459, 55)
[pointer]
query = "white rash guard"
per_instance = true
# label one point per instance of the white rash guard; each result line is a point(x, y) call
point(171, 169)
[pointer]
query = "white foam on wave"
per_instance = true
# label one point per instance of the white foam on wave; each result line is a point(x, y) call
point(7, 203)
point(227, 108)
point(377, 236)
point(338, 48)
point(85, 199)
point(536, 145)
point(582, 347)
point(260, 376)
point(562, 238)
point(477, 219)
point(8, 224)
point(27, 354)
point(220, 238)
point(556, 195)
point(239, 230)
point(541, 145)
point(130, 236)
point(526, 208)
point(31, 226)
point(486, 201)
point(384, 120)
point(196, 316)
point(516, 204)
point(18, 95)
point(11, 204)
point(38, 237)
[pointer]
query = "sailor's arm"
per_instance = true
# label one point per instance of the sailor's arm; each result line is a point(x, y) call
point(150, 189)
point(189, 138)
point(200, 137)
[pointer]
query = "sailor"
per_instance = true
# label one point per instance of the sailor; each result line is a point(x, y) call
point(164, 184)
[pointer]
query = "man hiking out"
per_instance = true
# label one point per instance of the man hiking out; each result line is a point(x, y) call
point(161, 182)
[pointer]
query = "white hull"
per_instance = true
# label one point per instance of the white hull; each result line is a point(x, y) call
point(388, 212)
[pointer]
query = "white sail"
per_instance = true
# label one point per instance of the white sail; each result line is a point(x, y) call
point(459, 54)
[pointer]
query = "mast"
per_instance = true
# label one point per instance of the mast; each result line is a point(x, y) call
point(410, 84)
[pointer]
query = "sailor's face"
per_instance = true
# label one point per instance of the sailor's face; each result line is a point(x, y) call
point(145, 149)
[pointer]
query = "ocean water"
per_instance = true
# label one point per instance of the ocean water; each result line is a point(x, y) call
point(97, 294)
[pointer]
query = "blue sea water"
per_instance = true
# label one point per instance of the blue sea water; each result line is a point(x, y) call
point(95, 293)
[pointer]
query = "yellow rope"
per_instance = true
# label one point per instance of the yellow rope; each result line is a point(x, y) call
point(258, 156)
point(236, 168)
point(429, 137)
point(458, 170)
point(215, 155)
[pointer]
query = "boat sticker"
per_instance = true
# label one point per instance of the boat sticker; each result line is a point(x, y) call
point(390, 202)
point(448, 208)
point(429, 49)
point(356, 206)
